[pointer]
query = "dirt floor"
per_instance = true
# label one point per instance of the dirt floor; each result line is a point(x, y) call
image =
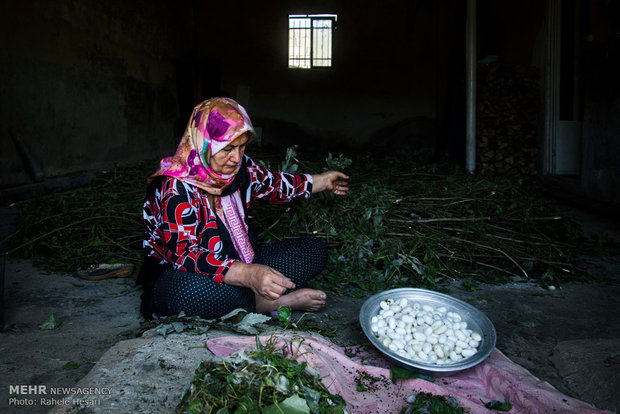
point(569, 337)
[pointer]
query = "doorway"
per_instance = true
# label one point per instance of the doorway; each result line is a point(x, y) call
point(564, 91)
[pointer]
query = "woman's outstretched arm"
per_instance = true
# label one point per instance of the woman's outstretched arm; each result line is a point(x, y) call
point(333, 181)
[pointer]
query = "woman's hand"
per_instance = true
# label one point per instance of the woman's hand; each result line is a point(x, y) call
point(333, 181)
point(263, 280)
point(268, 282)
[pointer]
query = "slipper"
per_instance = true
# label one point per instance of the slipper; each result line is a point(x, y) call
point(106, 271)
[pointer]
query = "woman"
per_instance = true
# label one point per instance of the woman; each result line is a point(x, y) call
point(201, 256)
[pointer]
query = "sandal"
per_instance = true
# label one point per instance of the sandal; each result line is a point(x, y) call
point(106, 271)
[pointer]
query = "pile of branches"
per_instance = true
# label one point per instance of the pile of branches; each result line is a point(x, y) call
point(401, 224)
point(72, 230)
point(417, 225)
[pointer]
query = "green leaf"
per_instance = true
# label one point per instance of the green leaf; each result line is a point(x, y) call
point(436, 404)
point(248, 322)
point(50, 324)
point(163, 329)
point(284, 314)
point(312, 397)
point(397, 373)
point(178, 326)
point(196, 407)
point(234, 313)
point(499, 405)
point(470, 285)
point(70, 365)
point(292, 405)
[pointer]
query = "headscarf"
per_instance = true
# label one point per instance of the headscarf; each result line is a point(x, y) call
point(213, 125)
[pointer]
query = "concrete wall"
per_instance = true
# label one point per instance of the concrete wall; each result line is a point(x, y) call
point(601, 118)
point(389, 66)
point(86, 84)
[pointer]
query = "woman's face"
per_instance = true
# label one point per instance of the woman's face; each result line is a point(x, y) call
point(227, 160)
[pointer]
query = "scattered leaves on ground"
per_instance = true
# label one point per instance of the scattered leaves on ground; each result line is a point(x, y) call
point(402, 224)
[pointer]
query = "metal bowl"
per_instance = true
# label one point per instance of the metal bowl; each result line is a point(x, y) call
point(476, 321)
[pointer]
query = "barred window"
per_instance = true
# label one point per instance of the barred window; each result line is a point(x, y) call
point(310, 40)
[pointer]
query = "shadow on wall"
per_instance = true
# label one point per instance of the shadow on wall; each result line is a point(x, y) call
point(414, 137)
point(283, 134)
point(279, 133)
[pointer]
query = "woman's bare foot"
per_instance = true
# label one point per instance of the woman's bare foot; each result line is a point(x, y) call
point(307, 300)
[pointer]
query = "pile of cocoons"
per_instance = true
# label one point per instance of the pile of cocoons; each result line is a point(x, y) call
point(423, 333)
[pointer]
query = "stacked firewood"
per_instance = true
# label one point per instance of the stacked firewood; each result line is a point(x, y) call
point(507, 119)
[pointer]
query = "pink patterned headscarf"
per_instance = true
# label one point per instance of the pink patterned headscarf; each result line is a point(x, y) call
point(212, 126)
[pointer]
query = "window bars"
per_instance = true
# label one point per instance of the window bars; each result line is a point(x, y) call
point(310, 40)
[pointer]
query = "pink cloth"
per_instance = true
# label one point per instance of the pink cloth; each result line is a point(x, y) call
point(497, 378)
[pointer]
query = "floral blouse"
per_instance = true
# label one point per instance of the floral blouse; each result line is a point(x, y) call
point(181, 229)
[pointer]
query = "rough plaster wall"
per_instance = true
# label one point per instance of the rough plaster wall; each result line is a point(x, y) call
point(388, 68)
point(601, 124)
point(86, 84)
point(91, 83)
point(396, 62)
point(601, 155)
